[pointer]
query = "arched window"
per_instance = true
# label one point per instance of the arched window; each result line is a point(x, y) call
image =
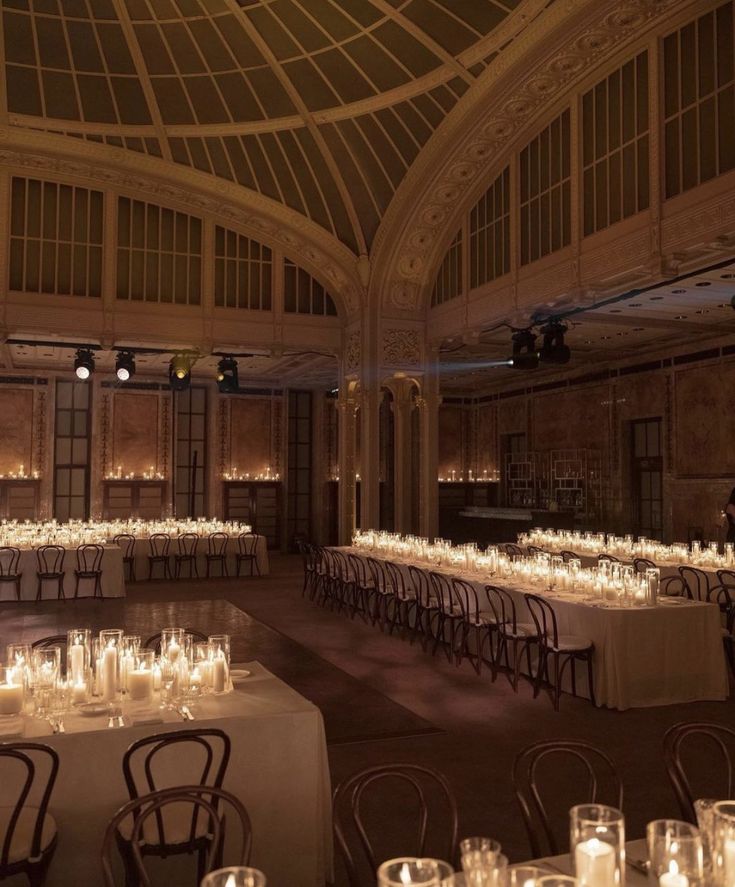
point(242, 272)
point(448, 283)
point(302, 294)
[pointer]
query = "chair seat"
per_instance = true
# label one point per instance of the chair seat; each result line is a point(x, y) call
point(176, 826)
point(21, 846)
point(571, 642)
point(11, 577)
point(51, 575)
point(87, 574)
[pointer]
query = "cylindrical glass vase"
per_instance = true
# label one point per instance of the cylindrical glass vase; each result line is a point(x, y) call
point(597, 845)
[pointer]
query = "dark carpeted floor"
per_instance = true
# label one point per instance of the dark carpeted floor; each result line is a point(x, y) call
point(481, 725)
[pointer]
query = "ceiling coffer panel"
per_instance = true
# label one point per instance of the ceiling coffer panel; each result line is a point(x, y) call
point(321, 105)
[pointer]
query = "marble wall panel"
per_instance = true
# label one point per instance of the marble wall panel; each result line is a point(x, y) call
point(135, 432)
point(251, 435)
point(16, 433)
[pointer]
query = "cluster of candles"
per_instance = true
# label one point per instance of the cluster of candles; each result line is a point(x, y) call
point(679, 855)
point(265, 474)
point(473, 477)
point(113, 667)
point(698, 554)
point(20, 474)
point(614, 582)
point(119, 474)
point(30, 534)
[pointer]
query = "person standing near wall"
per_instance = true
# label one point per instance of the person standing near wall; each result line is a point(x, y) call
point(730, 515)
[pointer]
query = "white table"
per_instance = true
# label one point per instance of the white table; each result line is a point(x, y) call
point(113, 583)
point(644, 656)
point(278, 769)
point(143, 549)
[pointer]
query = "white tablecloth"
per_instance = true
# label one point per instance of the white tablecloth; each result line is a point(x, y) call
point(278, 769)
point(644, 656)
point(113, 583)
point(636, 852)
point(143, 549)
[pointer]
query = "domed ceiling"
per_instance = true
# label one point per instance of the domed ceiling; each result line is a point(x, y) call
point(321, 105)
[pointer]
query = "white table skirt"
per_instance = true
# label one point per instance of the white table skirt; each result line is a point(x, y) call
point(113, 583)
point(278, 768)
point(142, 550)
point(644, 656)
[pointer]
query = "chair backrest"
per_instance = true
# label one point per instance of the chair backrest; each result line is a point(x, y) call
point(567, 556)
point(544, 772)
point(398, 579)
point(535, 549)
point(186, 544)
point(465, 595)
point(421, 802)
point(247, 542)
point(9, 560)
point(50, 558)
point(610, 558)
point(421, 585)
point(696, 583)
point(443, 591)
point(159, 544)
point(544, 618)
point(699, 761)
point(31, 758)
point(359, 570)
point(89, 558)
point(154, 641)
point(724, 577)
point(127, 542)
point(511, 549)
point(208, 804)
point(217, 544)
point(641, 564)
point(379, 574)
point(503, 606)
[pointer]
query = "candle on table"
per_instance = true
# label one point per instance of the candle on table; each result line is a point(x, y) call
point(219, 675)
point(156, 677)
point(173, 651)
point(76, 656)
point(140, 684)
point(109, 673)
point(594, 862)
point(78, 692)
point(11, 699)
point(673, 878)
point(729, 862)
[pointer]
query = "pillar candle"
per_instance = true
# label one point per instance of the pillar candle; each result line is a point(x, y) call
point(673, 878)
point(156, 677)
point(11, 699)
point(729, 862)
point(109, 673)
point(173, 651)
point(219, 675)
point(78, 692)
point(594, 862)
point(76, 657)
point(140, 684)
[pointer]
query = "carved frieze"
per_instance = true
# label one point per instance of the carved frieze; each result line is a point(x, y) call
point(401, 348)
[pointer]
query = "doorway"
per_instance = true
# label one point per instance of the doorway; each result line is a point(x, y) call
point(647, 478)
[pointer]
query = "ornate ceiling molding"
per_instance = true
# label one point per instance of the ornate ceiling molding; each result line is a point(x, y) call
point(483, 129)
point(320, 253)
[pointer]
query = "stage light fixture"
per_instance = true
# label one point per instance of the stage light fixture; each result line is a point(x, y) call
point(554, 350)
point(84, 363)
point(525, 355)
point(179, 372)
point(125, 365)
point(227, 378)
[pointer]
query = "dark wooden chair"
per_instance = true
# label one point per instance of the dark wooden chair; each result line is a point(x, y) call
point(89, 568)
point(641, 564)
point(543, 775)
point(428, 611)
point(126, 542)
point(9, 574)
point(247, 553)
point(383, 610)
point(699, 760)
point(159, 545)
point(29, 835)
point(474, 625)
point(310, 559)
point(696, 583)
point(362, 593)
point(173, 833)
point(567, 556)
point(511, 633)
point(609, 558)
point(216, 552)
point(532, 550)
point(420, 805)
point(160, 821)
point(511, 549)
point(561, 650)
point(404, 598)
point(186, 553)
point(450, 616)
point(50, 559)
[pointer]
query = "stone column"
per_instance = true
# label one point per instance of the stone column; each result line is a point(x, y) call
point(428, 405)
point(402, 452)
point(370, 456)
point(346, 407)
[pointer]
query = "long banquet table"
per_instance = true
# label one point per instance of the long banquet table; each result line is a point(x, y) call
point(142, 550)
point(113, 583)
point(278, 768)
point(644, 656)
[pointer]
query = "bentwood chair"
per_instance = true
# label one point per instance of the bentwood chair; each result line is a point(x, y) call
point(533, 550)
point(183, 819)
point(450, 616)
point(207, 754)
point(310, 560)
point(428, 611)
point(384, 595)
point(216, 552)
point(404, 598)
point(50, 559)
point(610, 558)
point(361, 592)
point(699, 760)
point(553, 775)
point(89, 568)
point(186, 553)
point(418, 817)
point(475, 623)
point(127, 543)
point(511, 549)
point(28, 833)
point(9, 573)
point(641, 564)
point(247, 553)
point(159, 545)
point(520, 636)
point(568, 556)
point(696, 583)
point(561, 650)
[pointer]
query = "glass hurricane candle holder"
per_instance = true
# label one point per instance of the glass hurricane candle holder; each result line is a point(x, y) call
point(723, 844)
point(131, 644)
point(12, 691)
point(172, 643)
point(478, 854)
point(408, 871)
point(108, 663)
point(675, 854)
point(703, 810)
point(78, 653)
point(20, 657)
point(46, 670)
point(219, 653)
point(235, 876)
point(524, 875)
point(597, 845)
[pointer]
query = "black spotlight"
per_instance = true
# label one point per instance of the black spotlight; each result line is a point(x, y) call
point(84, 363)
point(227, 379)
point(554, 350)
point(125, 365)
point(179, 372)
point(525, 355)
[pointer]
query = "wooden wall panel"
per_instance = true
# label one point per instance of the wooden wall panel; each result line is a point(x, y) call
point(135, 431)
point(573, 419)
point(705, 421)
point(16, 434)
point(250, 434)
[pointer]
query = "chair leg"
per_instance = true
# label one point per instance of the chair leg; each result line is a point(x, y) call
point(60, 592)
point(76, 588)
point(591, 679)
point(39, 589)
